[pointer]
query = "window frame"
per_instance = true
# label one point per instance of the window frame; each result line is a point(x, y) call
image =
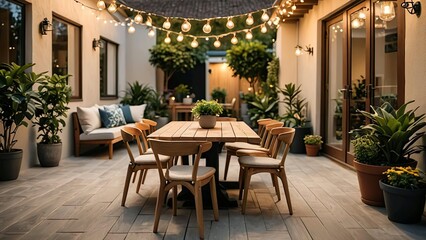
point(23, 34)
point(115, 96)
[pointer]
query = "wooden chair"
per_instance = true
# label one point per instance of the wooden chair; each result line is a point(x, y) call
point(151, 123)
point(250, 165)
point(232, 148)
point(139, 162)
point(193, 177)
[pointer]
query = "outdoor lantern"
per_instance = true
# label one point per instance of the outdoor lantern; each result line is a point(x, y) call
point(412, 7)
point(45, 26)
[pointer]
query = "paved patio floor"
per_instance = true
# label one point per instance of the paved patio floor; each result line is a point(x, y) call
point(81, 199)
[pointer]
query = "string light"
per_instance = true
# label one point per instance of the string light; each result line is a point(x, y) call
point(249, 20)
point(265, 16)
point(167, 39)
point(131, 29)
point(194, 43)
point(151, 32)
point(263, 29)
point(148, 21)
point(234, 39)
point(138, 18)
point(167, 24)
point(230, 24)
point(217, 43)
point(100, 5)
point(186, 26)
point(180, 37)
point(293, 7)
point(207, 28)
point(249, 35)
point(276, 20)
point(112, 8)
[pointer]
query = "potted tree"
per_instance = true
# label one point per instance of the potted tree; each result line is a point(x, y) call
point(219, 94)
point(18, 103)
point(206, 112)
point(180, 92)
point(389, 140)
point(312, 144)
point(295, 116)
point(55, 94)
point(404, 192)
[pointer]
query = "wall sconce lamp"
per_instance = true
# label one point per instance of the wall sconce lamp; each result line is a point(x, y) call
point(97, 44)
point(45, 26)
point(299, 50)
point(412, 7)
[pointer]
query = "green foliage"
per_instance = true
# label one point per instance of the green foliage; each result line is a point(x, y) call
point(366, 150)
point(18, 101)
point(204, 107)
point(182, 89)
point(249, 60)
point(313, 139)
point(158, 106)
point(219, 94)
point(405, 177)
point(295, 106)
point(395, 131)
point(262, 106)
point(137, 94)
point(55, 94)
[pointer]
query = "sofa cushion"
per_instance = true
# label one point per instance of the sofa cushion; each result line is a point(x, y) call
point(137, 112)
point(127, 114)
point(112, 117)
point(89, 118)
point(102, 134)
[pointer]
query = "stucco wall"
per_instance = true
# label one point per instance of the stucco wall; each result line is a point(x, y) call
point(133, 49)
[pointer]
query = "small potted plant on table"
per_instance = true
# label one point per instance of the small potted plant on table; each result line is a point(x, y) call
point(206, 112)
point(312, 144)
point(404, 191)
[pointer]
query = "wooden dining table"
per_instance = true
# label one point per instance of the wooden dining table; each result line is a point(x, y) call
point(224, 131)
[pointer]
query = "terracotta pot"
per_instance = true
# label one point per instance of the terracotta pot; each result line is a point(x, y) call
point(403, 205)
point(312, 149)
point(10, 164)
point(368, 179)
point(207, 121)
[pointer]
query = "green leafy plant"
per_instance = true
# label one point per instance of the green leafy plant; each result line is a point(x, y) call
point(137, 94)
point(55, 94)
point(18, 101)
point(182, 89)
point(262, 107)
point(158, 107)
point(313, 139)
point(395, 132)
point(366, 150)
point(295, 106)
point(405, 177)
point(219, 94)
point(204, 107)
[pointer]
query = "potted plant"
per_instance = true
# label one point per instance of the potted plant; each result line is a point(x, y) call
point(404, 191)
point(295, 116)
point(206, 112)
point(312, 144)
point(18, 103)
point(159, 110)
point(180, 92)
point(219, 94)
point(55, 94)
point(389, 140)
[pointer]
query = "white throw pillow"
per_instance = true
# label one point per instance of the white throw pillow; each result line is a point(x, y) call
point(137, 112)
point(89, 118)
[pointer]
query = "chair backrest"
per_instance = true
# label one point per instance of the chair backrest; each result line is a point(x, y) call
point(262, 123)
point(152, 124)
point(285, 138)
point(230, 119)
point(233, 102)
point(145, 128)
point(129, 134)
point(266, 139)
point(176, 149)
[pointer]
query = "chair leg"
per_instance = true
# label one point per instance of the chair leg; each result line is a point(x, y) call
point(276, 186)
point(199, 209)
point(138, 187)
point(134, 177)
point(110, 150)
point(248, 172)
point(145, 172)
point(228, 159)
point(286, 190)
point(214, 198)
point(174, 200)
point(241, 182)
point(126, 185)
point(159, 204)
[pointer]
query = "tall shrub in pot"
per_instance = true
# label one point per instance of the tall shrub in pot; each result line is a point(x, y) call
point(392, 135)
point(55, 94)
point(18, 103)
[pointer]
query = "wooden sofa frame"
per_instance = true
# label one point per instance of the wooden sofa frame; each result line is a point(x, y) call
point(77, 142)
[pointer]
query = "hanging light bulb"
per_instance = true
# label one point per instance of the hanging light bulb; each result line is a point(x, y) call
point(138, 18)
point(186, 26)
point(302, 1)
point(387, 11)
point(100, 4)
point(131, 29)
point(293, 7)
point(276, 20)
point(249, 20)
point(207, 28)
point(249, 35)
point(112, 8)
point(234, 39)
point(167, 24)
point(263, 29)
point(151, 32)
point(298, 51)
point(167, 39)
point(148, 21)
point(230, 24)
point(216, 43)
point(265, 16)
point(180, 37)
point(194, 43)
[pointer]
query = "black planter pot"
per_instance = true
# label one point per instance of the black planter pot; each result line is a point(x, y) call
point(403, 205)
point(49, 155)
point(10, 164)
point(298, 145)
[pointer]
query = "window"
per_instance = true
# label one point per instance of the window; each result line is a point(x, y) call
point(66, 53)
point(12, 29)
point(108, 69)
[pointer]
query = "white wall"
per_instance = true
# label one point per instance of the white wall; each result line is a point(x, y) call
point(39, 51)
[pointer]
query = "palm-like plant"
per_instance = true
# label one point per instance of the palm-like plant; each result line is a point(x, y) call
point(295, 106)
point(263, 107)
